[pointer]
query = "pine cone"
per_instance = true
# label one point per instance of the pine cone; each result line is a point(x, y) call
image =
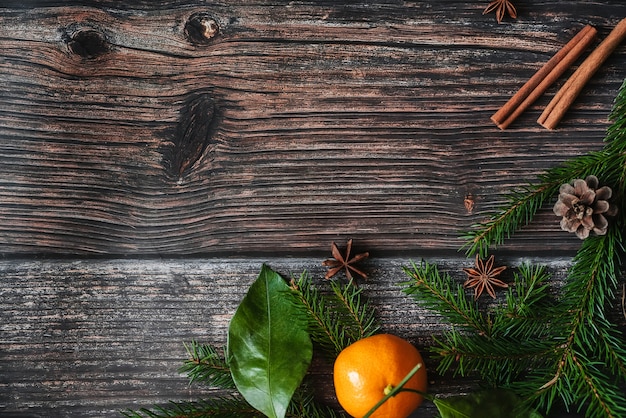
point(583, 207)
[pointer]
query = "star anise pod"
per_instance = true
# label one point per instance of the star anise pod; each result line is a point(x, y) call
point(484, 276)
point(339, 262)
point(501, 7)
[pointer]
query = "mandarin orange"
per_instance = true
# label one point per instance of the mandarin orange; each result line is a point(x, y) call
point(365, 370)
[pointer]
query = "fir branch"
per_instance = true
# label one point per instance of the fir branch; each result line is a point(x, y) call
point(206, 365)
point(523, 204)
point(596, 390)
point(204, 359)
point(530, 291)
point(579, 380)
point(591, 280)
point(323, 329)
point(617, 131)
point(218, 407)
point(522, 207)
point(433, 288)
point(313, 410)
point(611, 342)
point(533, 331)
point(590, 288)
point(491, 345)
point(335, 320)
point(303, 405)
point(587, 345)
point(593, 277)
point(528, 303)
point(499, 361)
point(360, 317)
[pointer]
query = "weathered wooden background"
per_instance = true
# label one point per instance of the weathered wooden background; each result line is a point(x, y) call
point(154, 155)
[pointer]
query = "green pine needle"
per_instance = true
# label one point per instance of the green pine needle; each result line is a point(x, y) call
point(207, 366)
point(522, 207)
point(586, 366)
point(356, 317)
point(336, 319)
point(234, 407)
point(303, 405)
point(592, 359)
point(430, 286)
point(499, 346)
point(217, 407)
point(528, 301)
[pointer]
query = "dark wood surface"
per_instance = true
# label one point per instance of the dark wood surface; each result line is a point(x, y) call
point(153, 156)
point(91, 337)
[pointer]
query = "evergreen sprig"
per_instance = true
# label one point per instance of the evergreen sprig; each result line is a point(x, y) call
point(216, 407)
point(323, 329)
point(591, 356)
point(206, 365)
point(435, 287)
point(523, 204)
point(586, 366)
point(353, 311)
point(337, 318)
point(302, 406)
point(501, 345)
point(528, 303)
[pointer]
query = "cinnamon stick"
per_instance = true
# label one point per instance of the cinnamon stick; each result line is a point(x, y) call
point(564, 98)
point(544, 77)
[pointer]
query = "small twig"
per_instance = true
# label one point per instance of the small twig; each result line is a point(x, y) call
point(396, 390)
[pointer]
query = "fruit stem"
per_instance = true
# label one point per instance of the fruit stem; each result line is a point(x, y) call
point(394, 391)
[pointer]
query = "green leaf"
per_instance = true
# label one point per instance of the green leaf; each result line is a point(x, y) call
point(269, 349)
point(495, 403)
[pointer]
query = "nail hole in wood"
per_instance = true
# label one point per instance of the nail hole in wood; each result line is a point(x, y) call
point(88, 44)
point(201, 28)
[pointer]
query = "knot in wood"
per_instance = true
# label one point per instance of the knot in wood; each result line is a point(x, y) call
point(193, 135)
point(201, 28)
point(88, 44)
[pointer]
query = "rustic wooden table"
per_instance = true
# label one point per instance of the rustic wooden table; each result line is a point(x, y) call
point(152, 157)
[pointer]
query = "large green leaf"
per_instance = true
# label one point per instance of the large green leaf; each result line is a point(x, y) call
point(269, 348)
point(494, 403)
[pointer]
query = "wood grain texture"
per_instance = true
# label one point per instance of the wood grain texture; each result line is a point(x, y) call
point(331, 120)
point(141, 145)
point(87, 338)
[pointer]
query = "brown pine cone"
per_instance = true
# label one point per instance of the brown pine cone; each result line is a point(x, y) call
point(584, 207)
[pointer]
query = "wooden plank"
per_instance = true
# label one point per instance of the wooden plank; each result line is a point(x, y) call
point(124, 131)
point(87, 338)
point(256, 131)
